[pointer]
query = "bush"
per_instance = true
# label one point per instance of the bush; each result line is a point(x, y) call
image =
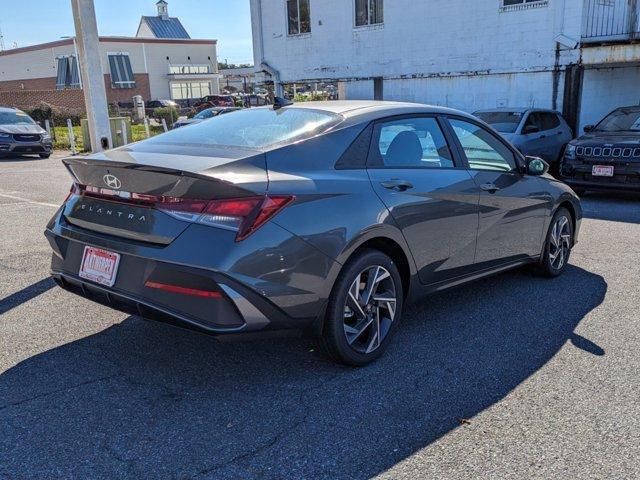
point(170, 115)
point(311, 97)
point(56, 115)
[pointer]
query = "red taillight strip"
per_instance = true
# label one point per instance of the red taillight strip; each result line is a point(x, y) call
point(183, 290)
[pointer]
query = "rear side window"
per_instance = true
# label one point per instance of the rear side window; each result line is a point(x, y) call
point(411, 143)
point(253, 128)
point(482, 149)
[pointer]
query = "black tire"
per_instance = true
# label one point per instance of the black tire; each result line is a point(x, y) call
point(44, 155)
point(334, 341)
point(553, 262)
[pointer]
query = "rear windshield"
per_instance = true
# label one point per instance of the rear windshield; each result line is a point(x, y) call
point(15, 118)
point(253, 128)
point(503, 122)
point(621, 121)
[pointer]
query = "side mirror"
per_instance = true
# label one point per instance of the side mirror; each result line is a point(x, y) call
point(589, 128)
point(529, 129)
point(535, 166)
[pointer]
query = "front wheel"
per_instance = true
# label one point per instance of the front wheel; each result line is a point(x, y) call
point(558, 245)
point(364, 309)
point(44, 155)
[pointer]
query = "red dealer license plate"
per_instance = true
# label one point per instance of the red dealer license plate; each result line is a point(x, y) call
point(99, 266)
point(602, 171)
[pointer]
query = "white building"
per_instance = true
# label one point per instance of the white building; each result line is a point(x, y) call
point(575, 56)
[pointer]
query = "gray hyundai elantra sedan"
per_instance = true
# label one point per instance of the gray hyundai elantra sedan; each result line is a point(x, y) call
point(326, 217)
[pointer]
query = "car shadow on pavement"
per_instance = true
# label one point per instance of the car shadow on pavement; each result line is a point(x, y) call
point(144, 400)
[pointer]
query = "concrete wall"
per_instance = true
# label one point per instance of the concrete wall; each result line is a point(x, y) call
point(605, 89)
point(421, 40)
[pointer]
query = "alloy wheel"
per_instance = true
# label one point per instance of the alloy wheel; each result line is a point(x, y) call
point(560, 242)
point(369, 309)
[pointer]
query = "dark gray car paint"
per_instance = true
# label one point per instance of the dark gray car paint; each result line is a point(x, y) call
point(289, 265)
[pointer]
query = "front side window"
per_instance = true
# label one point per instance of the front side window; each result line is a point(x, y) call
point(68, 75)
point(369, 12)
point(411, 143)
point(534, 124)
point(482, 149)
point(253, 128)
point(121, 71)
point(298, 17)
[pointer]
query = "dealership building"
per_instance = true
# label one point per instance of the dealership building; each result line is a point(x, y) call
point(160, 62)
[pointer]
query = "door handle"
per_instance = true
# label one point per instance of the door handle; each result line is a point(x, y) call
point(489, 187)
point(398, 185)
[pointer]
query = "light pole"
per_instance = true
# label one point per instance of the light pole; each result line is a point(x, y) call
point(75, 49)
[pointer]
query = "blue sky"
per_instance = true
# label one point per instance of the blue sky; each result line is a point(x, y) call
point(27, 22)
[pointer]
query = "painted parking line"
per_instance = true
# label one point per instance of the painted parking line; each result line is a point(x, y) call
point(28, 200)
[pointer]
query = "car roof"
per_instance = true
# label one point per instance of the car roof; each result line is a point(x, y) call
point(372, 109)
point(515, 110)
point(9, 109)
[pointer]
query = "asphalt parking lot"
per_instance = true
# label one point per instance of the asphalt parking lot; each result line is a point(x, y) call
point(511, 377)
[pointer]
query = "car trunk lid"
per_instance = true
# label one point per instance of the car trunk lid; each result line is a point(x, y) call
point(151, 195)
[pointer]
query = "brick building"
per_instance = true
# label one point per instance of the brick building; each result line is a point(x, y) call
point(577, 56)
point(161, 62)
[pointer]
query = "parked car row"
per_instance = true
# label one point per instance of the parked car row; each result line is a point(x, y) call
point(606, 157)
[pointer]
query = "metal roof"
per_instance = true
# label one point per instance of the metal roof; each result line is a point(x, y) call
point(169, 27)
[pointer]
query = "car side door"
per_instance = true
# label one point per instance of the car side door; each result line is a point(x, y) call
point(429, 193)
point(532, 140)
point(513, 206)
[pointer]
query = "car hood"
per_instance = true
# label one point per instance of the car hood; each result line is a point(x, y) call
point(11, 128)
point(609, 138)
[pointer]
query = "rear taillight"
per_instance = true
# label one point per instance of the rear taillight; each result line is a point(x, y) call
point(243, 215)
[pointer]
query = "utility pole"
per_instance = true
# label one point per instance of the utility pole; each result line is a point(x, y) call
point(1, 40)
point(95, 96)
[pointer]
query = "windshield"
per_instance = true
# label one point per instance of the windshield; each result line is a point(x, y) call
point(15, 118)
point(253, 128)
point(620, 121)
point(503, 122)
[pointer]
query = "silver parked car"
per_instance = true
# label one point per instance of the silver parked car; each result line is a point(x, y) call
point(20, 135)
point(535, 132)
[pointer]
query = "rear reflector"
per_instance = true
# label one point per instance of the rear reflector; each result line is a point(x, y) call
point(243, 215)
point(183, 290)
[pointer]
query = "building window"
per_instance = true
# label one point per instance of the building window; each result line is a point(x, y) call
point(68, 73)
point(369, 12)
point(507, 5)
point(298, 17)
point(189, 90)
point(189, 69)
point(121, 72)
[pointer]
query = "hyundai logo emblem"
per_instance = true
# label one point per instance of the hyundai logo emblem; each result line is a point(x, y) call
point(112, 181)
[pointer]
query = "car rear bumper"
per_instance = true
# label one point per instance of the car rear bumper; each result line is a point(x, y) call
point(255, 289)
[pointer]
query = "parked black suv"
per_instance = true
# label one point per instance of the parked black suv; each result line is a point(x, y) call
point(607, 156)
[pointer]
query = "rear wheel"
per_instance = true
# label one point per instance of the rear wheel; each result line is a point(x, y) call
point(364, 309)
point(557, 247)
